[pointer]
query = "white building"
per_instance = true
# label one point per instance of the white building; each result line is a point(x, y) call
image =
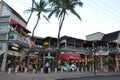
point(12, 34)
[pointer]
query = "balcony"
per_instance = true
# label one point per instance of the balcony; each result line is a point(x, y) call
point(81, 50)
point(15, 37)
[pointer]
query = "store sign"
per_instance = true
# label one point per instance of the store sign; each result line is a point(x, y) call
point(13, 48)
point(102, 53)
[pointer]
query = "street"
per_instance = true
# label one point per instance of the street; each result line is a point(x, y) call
point(108, 77)
point(60, 76)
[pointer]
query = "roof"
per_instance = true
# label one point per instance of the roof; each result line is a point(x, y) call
point(95, 33)
point(111, 36)
point(50, 38)
point(13, 11)
point(72, 38)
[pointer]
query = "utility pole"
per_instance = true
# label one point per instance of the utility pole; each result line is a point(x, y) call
point(93, 45)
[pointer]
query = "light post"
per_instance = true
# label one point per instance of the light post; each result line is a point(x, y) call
point(93, 51)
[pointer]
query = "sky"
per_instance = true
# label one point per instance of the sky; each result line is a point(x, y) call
point(97, 16)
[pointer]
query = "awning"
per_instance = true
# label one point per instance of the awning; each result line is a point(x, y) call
point(69, 56)
point(12, 21)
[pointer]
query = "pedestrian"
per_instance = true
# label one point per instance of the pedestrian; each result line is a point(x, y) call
point(47, 65)
point(9, 64)
point(67, 66)
point(34, 66)
point(73, 67)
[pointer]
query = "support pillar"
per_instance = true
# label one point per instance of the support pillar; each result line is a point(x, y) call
point(101, 63)
point(117, 63)
point(3, 68)
point(85, 60)
point(86, 65)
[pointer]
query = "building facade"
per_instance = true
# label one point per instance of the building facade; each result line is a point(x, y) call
point(96, 52)
point(12, 35)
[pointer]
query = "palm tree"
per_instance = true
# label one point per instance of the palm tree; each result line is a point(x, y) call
point(60, 8)
point(40, 8)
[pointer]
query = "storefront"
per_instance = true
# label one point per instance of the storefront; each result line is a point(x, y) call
point(68, 58)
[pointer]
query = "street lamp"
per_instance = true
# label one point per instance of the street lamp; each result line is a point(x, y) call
point(93, 50)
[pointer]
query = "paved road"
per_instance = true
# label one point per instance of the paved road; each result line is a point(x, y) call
point(52, 76)
point(108, 77)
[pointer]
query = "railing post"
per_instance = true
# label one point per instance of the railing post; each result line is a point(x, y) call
point(55, 70)
point(25, 70)
point(42, 70)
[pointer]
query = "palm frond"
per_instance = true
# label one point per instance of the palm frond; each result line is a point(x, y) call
point(75, 13)
point(46, 18)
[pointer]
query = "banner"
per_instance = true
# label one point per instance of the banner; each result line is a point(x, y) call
point(30, 42)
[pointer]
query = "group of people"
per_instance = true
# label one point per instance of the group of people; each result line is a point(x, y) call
point(67, 66)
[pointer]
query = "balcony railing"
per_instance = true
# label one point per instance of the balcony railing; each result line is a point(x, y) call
point(16, 36)
point(87, 50)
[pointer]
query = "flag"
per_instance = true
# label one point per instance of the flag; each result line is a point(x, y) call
point(30, 42)
point(118, 48)
point(118, 52)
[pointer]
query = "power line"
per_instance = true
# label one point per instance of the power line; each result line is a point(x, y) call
point(101, 10)
point(19, 1)
point(113, 9)
point(106, 8)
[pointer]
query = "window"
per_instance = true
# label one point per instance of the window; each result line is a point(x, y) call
point(3, 28)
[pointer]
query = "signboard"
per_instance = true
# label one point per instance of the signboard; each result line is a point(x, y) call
point(102, 53)
point(13, 48)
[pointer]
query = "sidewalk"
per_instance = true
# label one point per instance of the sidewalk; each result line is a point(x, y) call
point(51, 76)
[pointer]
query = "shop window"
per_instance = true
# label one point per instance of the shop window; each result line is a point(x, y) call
point(11, 36)
point(13, 48)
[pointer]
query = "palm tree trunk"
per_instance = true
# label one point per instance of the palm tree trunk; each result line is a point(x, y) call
point(58, 41)
point(30, 13)
point(60, 27)
point(35, 26)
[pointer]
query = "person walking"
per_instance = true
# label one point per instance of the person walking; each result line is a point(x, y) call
point(47, 65)
point(34, 66)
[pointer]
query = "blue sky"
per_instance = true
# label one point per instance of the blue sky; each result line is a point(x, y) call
point(97, 16)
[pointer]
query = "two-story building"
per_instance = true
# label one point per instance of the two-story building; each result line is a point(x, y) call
point(112, 41)
point(97, 47)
